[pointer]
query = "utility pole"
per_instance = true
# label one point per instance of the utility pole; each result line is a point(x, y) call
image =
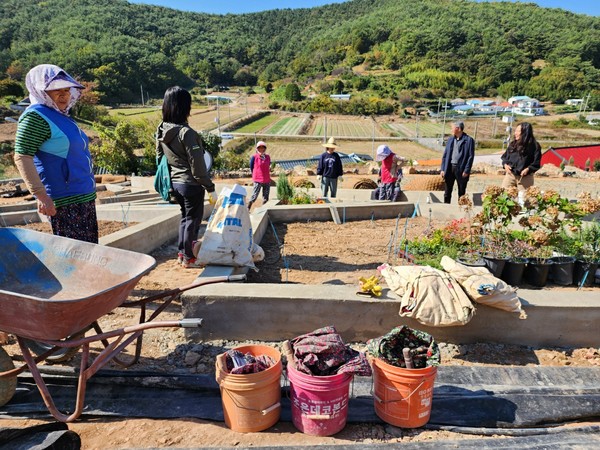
point(417, 125)
point(585, 103)
point(142, 92)
point(444, 123)
point(218, 119)
point(373, 142)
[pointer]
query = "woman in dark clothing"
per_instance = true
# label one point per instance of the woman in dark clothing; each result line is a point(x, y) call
point(189, 175)
point(522, 158)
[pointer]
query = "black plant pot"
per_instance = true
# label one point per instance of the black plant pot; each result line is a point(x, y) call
point(584, 269)
point(561, 271)
point(513, 270)
point(536, 273)
point(495, 265)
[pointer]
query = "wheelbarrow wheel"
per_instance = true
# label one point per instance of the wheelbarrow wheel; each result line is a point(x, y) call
point(8, 385)
point(61, 355)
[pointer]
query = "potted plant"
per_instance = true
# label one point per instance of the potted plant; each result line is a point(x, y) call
point(563, 263)
point(588, 258)
point(471, 249)
point(499, 207)
point(516, 263)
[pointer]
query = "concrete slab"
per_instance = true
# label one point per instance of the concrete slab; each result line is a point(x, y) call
point(242, 311)
point(282, 311)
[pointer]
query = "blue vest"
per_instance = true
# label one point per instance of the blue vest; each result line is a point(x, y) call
point(63, 162)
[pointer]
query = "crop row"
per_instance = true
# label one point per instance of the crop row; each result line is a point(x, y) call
point(286, 126)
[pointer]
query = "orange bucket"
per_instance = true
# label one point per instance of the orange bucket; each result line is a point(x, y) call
point(403, 397)
point(251, 402)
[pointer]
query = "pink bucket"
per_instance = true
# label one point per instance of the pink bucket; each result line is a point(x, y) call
point(319, 404)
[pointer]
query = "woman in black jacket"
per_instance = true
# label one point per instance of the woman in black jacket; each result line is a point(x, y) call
point(522, 158)
point(189, 174)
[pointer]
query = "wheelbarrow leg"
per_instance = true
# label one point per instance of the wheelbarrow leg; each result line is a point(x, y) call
point(45, 393)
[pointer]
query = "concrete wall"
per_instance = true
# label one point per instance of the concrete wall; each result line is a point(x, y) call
point(147, 235)
point(281, 311)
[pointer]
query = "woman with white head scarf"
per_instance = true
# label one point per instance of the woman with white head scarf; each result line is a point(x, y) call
point(52, 154)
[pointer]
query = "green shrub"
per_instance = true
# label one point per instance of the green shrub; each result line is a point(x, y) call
point(10, 87)
point(115, 152)
point(302, 198)
point(285, 191)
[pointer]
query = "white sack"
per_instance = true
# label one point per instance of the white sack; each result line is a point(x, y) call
point(228, 237)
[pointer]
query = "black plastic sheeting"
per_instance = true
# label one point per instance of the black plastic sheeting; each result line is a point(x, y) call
point(51, 436)
point(498, 397)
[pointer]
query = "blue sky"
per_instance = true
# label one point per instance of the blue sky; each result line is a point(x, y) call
point(590, 7)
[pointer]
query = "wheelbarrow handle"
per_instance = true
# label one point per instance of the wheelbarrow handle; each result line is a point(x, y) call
point(201, 281)
point(190, 323)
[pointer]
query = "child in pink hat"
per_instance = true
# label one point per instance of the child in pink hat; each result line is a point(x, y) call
point(260, 166)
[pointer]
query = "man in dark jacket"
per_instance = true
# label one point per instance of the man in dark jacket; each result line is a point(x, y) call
point(457, 161)
point(329, 168)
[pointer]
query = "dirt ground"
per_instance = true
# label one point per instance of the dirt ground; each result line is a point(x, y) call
point(315, 253)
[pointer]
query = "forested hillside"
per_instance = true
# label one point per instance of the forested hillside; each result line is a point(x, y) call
point(425, 48)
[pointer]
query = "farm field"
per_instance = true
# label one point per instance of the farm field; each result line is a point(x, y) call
point(257, 125)
point(340, 126)
point(281, 149)
point(201, 119)
point(204, 120)
point(493, 131)
point(287, 126)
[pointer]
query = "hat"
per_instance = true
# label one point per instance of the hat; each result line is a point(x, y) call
point(62, 81)
point(330, 143)
point(261, 144)
point(383, 151)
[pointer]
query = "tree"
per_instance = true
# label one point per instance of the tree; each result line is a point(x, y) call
point(16, 71)
point(338, 87)
point(292, 92)
point(204, 72)
point(557, 84)
point(244, 77)
point(116, 150)
point(10, 87)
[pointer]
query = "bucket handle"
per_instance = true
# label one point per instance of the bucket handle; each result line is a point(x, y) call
point(264, 412)
point(401, 399)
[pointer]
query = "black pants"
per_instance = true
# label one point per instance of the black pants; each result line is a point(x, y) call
point(191, 202)
point(455, 174)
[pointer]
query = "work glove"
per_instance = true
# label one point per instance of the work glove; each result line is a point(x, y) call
point(370, 286)
point(319, 178)
point(211, 198)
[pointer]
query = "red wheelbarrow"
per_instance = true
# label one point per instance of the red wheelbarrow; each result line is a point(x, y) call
point(52, 292)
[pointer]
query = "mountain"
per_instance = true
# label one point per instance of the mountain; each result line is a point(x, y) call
point(427, 47)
